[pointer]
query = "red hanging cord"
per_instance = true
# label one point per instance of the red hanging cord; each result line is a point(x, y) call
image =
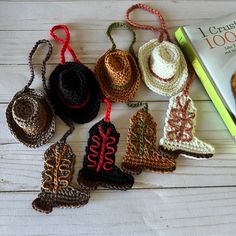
point(190, 79)
point(108, 110)
point(160, 31)
point(65, 43)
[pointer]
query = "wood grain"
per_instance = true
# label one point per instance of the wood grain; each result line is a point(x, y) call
point(208, 211)
point(199, 198)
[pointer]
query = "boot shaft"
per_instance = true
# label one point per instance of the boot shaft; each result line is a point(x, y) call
point(141, 133)
point(101, 147)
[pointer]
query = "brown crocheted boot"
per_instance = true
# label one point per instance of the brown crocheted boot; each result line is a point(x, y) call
point(141, 151)
point(99, 167)
point(56, 188)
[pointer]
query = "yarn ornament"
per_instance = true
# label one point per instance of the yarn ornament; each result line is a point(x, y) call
point(117, 71)
point(99, 167)
point(56, 187)
point(73, 89)
point(163, 66)
point(179, 130)
point(30, 115)
point(141, 153)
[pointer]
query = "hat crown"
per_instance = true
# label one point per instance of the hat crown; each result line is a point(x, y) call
point(29, 114)
point(73, 88)
point(118, 68)
point(165, 59)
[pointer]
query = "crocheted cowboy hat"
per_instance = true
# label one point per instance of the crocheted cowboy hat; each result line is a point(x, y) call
point(117, 71)
point(30, 115)
point(163, 66)
point(73, 88)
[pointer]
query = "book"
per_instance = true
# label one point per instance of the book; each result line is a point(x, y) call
point(211, 48)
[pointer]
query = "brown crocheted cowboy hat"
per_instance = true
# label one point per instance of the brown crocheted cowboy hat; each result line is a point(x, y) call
point(117, 71)
point(30, 115)
point(31, 118)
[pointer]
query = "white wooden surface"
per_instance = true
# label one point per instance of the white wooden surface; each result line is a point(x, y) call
point(199, 198)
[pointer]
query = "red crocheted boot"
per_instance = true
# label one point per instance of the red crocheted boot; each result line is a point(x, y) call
point(99, 167)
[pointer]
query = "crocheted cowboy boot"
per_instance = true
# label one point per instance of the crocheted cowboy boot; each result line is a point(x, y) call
point(56, 187)
point(179, 130)
point(99, 167)
point(141, 151)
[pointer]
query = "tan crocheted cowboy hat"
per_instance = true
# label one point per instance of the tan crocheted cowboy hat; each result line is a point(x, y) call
point(163, 67)
point(30, 115)
point(31, 118)
point(117, 71)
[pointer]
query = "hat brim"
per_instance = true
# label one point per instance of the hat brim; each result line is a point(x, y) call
point(167, 88)
point(79, 115)
point(113, 94)
point(41, 138)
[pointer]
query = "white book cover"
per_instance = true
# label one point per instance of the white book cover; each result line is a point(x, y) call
point(215, 44)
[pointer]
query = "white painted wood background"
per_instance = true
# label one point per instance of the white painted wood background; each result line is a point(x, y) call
point(199, 198)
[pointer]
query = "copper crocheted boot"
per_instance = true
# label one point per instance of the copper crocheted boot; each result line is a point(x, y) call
point(141, 153)
point(56, 188)
point(99, 167)
point(179, 130)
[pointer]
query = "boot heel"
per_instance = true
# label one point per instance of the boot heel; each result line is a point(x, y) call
point(86, 183)
point(131, 169)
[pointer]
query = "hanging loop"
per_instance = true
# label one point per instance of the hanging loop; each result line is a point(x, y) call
point(108, 110)
point(43, 68)
point(116, 25)
point(65, 43)
point(162, 31)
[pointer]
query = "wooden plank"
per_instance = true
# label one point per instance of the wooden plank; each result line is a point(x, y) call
point(18, 75)
point(89, 45)
point(21, 169)
point(209, 127)
point(143, 212)
point(83, 14)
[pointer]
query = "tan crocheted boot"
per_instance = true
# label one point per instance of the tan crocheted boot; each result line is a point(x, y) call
point(179, 131)
point(141, 153)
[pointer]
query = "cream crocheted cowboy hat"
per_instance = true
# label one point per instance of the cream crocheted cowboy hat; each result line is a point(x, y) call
point(163, 67)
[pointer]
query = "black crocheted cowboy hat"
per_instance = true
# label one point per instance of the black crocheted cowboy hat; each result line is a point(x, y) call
point(73, 89)
point(74, 92)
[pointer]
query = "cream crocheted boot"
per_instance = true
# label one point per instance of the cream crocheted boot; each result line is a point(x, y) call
point(179, 130)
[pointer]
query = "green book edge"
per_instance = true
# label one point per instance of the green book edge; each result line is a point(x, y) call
point(183, 41)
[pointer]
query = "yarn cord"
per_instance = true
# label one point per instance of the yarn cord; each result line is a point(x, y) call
point(161, 31)
point(125, 26)
point(65, 43)
point(43, 67)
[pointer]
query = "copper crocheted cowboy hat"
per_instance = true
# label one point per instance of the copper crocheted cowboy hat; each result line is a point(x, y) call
point(30, 115)
point(117, 71)
point(162, 64)
point(73, 88)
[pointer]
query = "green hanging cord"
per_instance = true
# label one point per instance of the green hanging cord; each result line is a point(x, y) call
point(138, 104)
point(125, 26)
